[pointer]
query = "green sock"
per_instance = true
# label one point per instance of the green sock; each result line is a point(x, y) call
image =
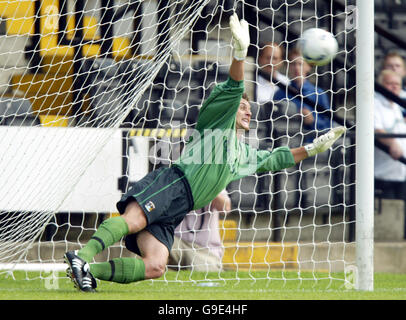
point(108, 233)
point(121, 270)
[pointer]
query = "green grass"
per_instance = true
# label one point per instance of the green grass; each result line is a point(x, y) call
point(386, 286)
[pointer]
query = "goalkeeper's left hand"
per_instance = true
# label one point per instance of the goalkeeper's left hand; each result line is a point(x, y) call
point(324, 142)
point(241, 37)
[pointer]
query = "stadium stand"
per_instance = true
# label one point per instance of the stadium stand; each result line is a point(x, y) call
point(16, 112)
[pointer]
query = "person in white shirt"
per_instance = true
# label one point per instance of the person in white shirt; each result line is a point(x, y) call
point(395, 62)
point(270, 61)
point(390, 174)
point(197, 242)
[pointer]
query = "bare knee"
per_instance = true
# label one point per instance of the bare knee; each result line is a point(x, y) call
point(135, 217)
point(154, 269)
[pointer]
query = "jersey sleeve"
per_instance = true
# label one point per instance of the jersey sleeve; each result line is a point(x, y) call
point(275, 160)
point(258, 161)
point(219, 110)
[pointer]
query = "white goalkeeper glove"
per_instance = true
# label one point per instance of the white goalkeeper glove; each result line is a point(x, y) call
point(241, 37)
point(324, 142)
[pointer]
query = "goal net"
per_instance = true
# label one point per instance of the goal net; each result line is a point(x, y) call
point(95, 94)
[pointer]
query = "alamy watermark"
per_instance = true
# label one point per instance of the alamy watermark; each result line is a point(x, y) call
point(51, 280)
point(350, 277)
point(209, 146)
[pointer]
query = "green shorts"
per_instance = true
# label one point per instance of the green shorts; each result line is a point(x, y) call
point(165, 197)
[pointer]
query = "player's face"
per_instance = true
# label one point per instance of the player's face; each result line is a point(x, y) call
point(243, 116)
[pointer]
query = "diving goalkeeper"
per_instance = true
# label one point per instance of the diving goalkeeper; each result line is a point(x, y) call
point(212, 158)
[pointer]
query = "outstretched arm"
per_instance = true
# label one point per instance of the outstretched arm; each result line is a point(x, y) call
point(241, 41)
point(237, 70)
point(299, 154)
point(318, 145)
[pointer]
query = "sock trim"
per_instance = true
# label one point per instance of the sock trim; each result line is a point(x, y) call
point(100, 241)
point(113, 269)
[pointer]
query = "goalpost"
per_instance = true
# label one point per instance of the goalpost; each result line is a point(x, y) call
point(365, 147)
point(95, 94)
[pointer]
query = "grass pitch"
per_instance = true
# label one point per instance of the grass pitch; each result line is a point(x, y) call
point(197, 286)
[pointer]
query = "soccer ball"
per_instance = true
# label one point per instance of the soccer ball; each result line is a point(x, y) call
point(318, 46)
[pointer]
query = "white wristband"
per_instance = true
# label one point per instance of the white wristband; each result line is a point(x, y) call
point(310, 149)
point(240, 54)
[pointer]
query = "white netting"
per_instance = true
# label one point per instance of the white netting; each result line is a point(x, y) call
point(95, 94)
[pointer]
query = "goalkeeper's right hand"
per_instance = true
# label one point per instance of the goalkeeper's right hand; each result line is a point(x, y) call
point(241, 37)
point(324, 142)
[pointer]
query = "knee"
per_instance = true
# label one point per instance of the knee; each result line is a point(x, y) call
point(135, 217)
point(154, 269)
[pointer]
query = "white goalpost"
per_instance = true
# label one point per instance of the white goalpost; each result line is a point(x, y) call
point(365, 147)
point(95, 94)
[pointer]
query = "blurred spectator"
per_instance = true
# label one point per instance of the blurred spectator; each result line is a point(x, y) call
point(298, 73)
point(395, 62)
point(197, 243)
point(390, 174)
point(270, 61)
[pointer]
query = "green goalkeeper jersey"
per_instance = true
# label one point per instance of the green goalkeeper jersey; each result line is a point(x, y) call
point(214, 156)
